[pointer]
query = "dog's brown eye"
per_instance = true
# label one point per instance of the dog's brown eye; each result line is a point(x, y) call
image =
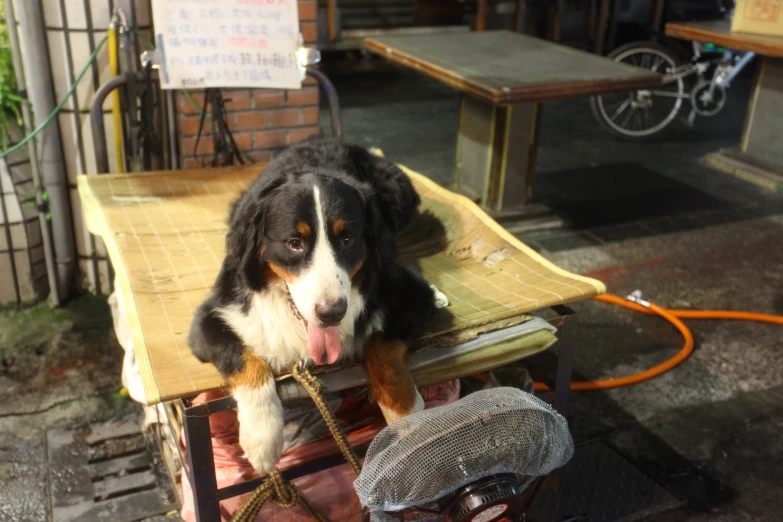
point(295, 244)
point(347, 239)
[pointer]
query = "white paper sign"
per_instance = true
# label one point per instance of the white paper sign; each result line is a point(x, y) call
point(227, 43)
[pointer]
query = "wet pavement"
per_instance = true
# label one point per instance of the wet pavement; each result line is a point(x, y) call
point(642, 216)
point(60, 367)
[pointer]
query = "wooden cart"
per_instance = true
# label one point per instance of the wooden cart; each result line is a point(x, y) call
point(164, 232)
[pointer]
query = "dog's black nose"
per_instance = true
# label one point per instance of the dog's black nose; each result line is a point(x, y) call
point(331, 312)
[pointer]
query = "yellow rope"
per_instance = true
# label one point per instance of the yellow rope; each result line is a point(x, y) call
point(275, 487)
point(281, 492)
point(313, 386)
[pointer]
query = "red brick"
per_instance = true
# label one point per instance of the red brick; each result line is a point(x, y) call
point(265, 99)
point(236, 100)
point(188, 108)
point(297, 135)
point(192, 163)
point(270, 139)
point(240, 100)
point(286, 118)
point(310, 116)
point(251, 120)
point(189, 126)
point(182, 99)
point(260, 156)
point(309, 80)
point(305, 96)
point(244, 140)
point(308, 11)
point(205, 146)
point(309, 32)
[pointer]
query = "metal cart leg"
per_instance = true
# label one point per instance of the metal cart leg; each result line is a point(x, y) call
point(201, 462)
point(565, 359)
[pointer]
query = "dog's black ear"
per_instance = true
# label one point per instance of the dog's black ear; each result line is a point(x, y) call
point(393, 193)
point(244, 241)
point(378, 234)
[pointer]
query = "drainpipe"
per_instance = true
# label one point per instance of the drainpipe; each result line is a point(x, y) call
point(55, 177)
point(32, 152)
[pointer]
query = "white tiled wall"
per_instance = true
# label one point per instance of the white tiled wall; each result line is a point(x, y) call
point(77, 19)
point(68, 24)
point(20, 237)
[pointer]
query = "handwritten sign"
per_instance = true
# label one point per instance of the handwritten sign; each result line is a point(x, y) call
point(227, 43)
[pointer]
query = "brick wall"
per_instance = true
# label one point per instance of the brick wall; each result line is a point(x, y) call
point(263, 121)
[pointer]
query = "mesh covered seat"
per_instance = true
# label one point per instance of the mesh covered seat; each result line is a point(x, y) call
point(421, 458)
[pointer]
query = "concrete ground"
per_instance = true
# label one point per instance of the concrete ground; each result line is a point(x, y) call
point(643, 216)
point(59, 367)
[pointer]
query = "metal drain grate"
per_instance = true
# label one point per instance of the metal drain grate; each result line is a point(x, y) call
point(599, 485)
point(107, 472)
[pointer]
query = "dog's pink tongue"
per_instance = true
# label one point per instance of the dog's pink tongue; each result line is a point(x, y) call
point(323, 344)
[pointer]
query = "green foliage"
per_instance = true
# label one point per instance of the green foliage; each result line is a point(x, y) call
point(10, 102)
point(34, 204)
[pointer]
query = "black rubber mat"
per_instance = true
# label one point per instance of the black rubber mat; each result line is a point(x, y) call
point(599, 485)
point(107, 472)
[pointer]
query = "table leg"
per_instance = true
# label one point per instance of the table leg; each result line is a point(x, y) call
point(601, 26)
point(614, 22)
point(481, 15)
point(519, 18)
point(557, 20)
point(656, 20)
point(760, 155)
point(496, 158)
point(590, 20)
point(201, 463)
point(331, 20)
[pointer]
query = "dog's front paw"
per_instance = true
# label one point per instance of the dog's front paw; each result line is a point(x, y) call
point(262, 446)
point(260, 417)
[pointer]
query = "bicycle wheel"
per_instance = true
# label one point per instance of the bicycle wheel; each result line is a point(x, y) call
point(638, 115)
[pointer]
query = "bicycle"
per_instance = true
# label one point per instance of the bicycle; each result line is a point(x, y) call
point(639, 115)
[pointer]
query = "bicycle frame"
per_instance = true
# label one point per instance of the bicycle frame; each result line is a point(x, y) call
point(714, 68)
point(727, 68)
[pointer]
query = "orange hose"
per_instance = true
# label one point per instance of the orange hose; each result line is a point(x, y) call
point(673, 316)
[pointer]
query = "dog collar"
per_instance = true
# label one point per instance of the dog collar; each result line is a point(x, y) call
point(292, 306)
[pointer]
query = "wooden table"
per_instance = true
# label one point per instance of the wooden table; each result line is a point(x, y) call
point(504, 77)
point(759, 157)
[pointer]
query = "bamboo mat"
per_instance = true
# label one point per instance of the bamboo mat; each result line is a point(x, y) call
point(165, 234)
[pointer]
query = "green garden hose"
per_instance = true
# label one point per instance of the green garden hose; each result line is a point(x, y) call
point(60, 105)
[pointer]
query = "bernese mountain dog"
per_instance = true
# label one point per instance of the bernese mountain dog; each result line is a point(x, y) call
point(311, 273)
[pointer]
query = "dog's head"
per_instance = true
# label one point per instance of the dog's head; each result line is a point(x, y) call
point(309, 231)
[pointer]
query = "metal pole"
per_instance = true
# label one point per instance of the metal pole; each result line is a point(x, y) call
point(32, 152)
point(331, 96)
point(96, 119)
point(55, 178)
point(171, 115)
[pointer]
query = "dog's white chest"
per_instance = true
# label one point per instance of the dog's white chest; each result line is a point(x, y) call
point(270, 329)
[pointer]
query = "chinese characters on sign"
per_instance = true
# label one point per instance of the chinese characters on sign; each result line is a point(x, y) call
point(227, 43)
point(763, 10)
